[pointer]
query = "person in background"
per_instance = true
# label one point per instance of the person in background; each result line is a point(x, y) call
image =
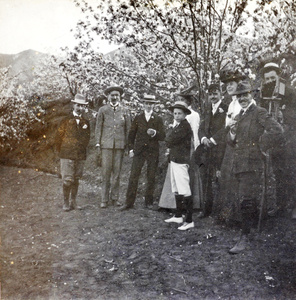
point(146, 132)
point(212, 122)
point(283, 157)
point(71, 142)
point(251, 136)
point(178, 141)
point(112, 127)
point(226, 207)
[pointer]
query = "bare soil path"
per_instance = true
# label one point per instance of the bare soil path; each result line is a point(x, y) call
point(107, 254)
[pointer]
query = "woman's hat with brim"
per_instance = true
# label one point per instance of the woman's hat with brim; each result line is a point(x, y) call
point(113, 88)
point(271, 67)
point(243, 87)
point(181, 105)
point(231, 75)
point(79, 99)
point(187, 93)
point(149, 98)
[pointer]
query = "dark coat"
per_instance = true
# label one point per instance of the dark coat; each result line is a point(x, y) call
point(256, 131)
point(72, 139)
point(209, 127)
point(178, 140)
point(288, 109)
point(138, 139)
point(211, 124)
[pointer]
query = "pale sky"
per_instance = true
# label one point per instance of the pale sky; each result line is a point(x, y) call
point(41, 25)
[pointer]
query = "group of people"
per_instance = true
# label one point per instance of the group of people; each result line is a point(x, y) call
point(218, 160)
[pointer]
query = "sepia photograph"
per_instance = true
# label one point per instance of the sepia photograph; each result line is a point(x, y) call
point(147, 149)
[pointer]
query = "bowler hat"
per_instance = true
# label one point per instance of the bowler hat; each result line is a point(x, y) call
point(149, 98)
point(113, 88)
point(79, 99)
point(231, 75)
point(243, 87)
point(271, 67)
point(181, 105)
point(214, 87)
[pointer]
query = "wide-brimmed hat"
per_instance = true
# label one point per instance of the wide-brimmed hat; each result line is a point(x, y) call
point(79, 99)
point(149, 98)
point(181, 105)
point(187, 93)
point(243, 87)
point(231, 75)
point(113, 88)
point(271, 66)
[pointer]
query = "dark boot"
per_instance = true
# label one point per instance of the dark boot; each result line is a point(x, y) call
point(249, 214)
point(74, 191)
point(177, 218)
point(189, 208)
point(66, 193)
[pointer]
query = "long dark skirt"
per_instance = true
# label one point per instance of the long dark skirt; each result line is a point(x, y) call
point(227, 206)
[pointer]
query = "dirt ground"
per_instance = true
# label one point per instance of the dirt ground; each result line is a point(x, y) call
point(107, 254)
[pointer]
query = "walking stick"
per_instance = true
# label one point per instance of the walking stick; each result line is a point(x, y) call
point(263, 196)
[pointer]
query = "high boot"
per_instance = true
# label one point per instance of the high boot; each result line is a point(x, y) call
point(74, 190)
point(189, 210)
point(66, 193)
point(177, 218)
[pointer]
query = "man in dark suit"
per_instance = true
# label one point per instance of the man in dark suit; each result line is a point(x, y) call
point(254, 132)
point(71, 142)
point(112, 127)
point(143, 141)
point(212, 122)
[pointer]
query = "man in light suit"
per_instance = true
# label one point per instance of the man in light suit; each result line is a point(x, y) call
point(251, 136)
point(143, 141)
point(112, 127)
point(213, 120)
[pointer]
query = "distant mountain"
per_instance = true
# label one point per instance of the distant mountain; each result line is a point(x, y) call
point(22, 63)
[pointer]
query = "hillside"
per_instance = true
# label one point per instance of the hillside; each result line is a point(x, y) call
point(22, 63)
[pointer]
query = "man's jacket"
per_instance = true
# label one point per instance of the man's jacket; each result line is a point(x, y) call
point(138, 139)
point(72, 139)
point(112, 127)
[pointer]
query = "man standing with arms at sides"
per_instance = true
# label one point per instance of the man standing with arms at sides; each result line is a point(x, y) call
point(112, 127)
point(213, 120)
point(143, 141)
point(283, 157)
point(253, 134)
point(71, 142)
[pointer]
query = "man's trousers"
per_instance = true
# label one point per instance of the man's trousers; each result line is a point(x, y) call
point(137, 165)
point(111, 165)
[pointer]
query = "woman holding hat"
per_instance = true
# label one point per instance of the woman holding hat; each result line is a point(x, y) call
point(178, 141)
